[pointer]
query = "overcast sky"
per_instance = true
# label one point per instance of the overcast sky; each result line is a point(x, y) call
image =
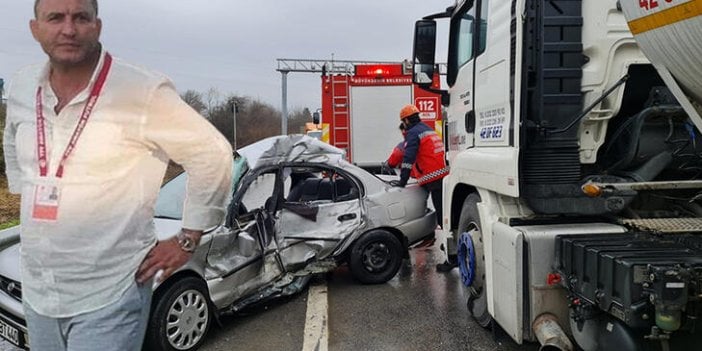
point(232, 45)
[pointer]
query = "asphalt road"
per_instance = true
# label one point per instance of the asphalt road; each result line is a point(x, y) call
point(419, 309)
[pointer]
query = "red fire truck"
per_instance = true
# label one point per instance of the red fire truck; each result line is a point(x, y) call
point(360, 111)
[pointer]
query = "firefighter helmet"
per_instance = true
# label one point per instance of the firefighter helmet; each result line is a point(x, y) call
point(408, 110)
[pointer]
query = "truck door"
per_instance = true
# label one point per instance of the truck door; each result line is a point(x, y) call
point(461, 119)
point(492, 90)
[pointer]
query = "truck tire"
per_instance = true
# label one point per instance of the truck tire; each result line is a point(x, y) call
point(477, 291)
point(375, 257)
point(180, 316)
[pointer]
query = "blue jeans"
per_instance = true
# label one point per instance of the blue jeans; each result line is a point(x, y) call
point(119, 326)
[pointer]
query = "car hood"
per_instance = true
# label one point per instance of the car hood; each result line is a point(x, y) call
point(10, 245)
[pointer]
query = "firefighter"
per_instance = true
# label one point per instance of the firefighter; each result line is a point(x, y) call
point(424, 155)
point(397, 154)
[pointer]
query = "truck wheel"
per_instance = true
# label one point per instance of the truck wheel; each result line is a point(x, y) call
point(469, 222)
point(375, 257)
point(180, 316)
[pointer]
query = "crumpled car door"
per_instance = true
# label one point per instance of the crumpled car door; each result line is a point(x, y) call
point(241, 253)
point(313, 229)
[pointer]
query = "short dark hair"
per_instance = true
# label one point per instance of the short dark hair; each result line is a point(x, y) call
point(36, 7)
point(402, 126)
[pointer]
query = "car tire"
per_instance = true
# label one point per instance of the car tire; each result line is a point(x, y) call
point(375, 257)
point(180, 316)
point(477, 291)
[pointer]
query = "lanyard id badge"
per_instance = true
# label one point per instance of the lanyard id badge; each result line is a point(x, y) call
point(45, 203)
point(47, 194)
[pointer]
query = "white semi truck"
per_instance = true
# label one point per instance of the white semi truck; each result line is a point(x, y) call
point(574, 202)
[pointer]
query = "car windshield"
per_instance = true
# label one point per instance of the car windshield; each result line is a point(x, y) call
point(170, 199)
point(169, 203)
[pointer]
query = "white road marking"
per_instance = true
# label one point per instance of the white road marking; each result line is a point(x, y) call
point(316, 326)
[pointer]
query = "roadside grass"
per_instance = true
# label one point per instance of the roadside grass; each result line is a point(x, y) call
point(10, 203)
point(9, 224)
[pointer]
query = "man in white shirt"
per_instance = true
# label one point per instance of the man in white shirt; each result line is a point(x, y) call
point(87, 141)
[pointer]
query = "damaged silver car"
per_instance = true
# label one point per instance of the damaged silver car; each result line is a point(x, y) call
point(297, 208)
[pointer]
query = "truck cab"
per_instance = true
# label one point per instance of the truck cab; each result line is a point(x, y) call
point(573, 196)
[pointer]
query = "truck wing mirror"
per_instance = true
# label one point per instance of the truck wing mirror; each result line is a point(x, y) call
point(424, 52)
point(315, 118)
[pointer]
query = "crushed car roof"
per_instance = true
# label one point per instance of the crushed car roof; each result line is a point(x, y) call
point(290, 148)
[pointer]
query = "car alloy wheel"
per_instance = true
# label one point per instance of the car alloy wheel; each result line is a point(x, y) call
point(187, 320)
point(180, 315)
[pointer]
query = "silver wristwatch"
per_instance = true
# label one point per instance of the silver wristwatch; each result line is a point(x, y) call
point(186, 242)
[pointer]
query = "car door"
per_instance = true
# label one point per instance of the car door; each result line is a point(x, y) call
point(322, 208)
point(242, 253)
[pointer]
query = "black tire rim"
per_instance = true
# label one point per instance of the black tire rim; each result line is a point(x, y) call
point(187, 320)
point(376, 256)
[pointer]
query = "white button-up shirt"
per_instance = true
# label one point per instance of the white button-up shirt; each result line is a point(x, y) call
point(88, 258)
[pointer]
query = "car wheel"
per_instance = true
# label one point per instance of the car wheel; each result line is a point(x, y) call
point(180, 316)
point(473, 265)
point(375, 257)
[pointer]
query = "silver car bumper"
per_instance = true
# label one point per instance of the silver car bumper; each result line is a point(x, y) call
point(421, 228)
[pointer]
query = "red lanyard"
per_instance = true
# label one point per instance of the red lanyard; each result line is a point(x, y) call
point(87, 110)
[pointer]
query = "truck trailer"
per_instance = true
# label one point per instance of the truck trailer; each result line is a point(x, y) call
point(572, 207)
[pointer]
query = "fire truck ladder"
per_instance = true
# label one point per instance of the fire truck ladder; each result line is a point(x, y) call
point(340, 112)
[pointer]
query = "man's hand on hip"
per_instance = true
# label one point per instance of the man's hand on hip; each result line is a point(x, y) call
point(167, 256)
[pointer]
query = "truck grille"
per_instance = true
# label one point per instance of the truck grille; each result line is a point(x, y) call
point(11, 287)
point(556, 165)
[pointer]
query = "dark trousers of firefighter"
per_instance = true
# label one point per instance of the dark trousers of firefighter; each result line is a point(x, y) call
point(436, 189)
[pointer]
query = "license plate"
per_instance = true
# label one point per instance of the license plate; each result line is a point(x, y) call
point(12, 334)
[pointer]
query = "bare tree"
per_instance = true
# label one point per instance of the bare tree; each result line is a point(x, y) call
point(3, 116)
point(255, 120)
point(194, 99)
point(297, 119)
point(258, 121)
point(222, 116)
point(212, 100)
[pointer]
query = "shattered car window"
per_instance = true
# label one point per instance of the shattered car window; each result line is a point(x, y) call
point(310, 185)
point(169, 203)
point(260, 190)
